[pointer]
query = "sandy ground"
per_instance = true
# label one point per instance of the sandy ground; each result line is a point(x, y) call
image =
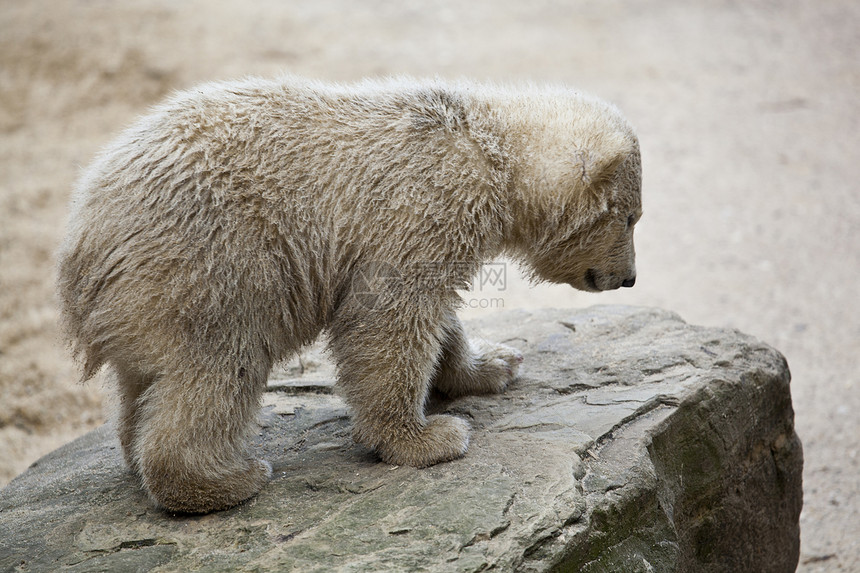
point(747, 112)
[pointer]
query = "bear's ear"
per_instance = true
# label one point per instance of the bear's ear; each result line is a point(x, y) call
point(599, 162)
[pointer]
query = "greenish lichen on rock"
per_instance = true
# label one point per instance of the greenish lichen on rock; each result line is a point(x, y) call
point(631, 442)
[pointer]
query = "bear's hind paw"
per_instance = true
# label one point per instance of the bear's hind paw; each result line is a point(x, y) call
point(210, 490)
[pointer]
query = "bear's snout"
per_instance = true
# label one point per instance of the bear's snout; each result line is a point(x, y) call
point(595, 281)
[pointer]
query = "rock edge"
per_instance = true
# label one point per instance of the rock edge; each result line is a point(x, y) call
point(631, 442)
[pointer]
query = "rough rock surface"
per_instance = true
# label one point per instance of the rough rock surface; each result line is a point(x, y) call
point(631, 442)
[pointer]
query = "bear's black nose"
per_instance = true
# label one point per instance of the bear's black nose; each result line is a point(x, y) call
point(629, 282)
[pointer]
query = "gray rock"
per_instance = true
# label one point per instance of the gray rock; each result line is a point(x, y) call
point(631, 442)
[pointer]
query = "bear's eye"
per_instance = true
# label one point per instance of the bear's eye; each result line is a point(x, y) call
point(631, 220)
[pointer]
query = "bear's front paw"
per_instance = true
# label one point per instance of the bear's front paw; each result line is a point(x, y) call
point(497, 364)
point(480, 368)
point(442, 439)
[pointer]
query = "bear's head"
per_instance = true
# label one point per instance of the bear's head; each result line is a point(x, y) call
point(577, 189)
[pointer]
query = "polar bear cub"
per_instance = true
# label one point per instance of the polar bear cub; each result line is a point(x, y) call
point(237, 221)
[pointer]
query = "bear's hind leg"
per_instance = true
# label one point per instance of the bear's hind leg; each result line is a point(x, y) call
point(385, 361)
point(191, 440)
point(131, 383)
point(473, 366)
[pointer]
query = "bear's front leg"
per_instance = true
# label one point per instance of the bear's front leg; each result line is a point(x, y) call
point(473, 366)
point(386, 359)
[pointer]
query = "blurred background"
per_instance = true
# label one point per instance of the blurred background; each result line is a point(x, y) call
point(749, 123)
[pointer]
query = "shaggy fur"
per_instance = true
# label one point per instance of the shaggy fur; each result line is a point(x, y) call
point(237, 221)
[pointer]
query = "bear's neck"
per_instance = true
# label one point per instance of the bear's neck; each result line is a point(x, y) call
point(516, 129)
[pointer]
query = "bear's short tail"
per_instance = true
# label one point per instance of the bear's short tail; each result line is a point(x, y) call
point(75, 306)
